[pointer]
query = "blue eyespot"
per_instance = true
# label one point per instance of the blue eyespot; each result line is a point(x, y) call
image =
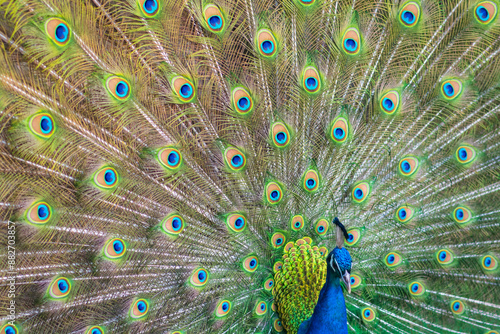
point(262, 306)
point(202, 276)
point(462, 154)
point(367, 313)
point(460, 214)
point(297, 224)
point(215, 22)
point(173, 158)
point(150, 6)
point(109, 177)
point(186, 90)
point(237, 160)
point(275, 194)
point(43, 212)
point(176, 224)
point(117, 246)
point(243, 103)
point(482, 13)
point(62, 32)
point(311, 83)
point(321, 228)
point(10, 330)
point(391, 259)
point(279, 241)
point(358, 193)
point(225, 306)
point(281, 137)
point(338, 133)
point(448, 89)
point(406, 166)
point(350, 237)
point(96, 331)
point(414, 287)
point(388, 104)
point(267, 47)
point(408, 17)
point(141, 306)
point(350, 44)
point(402, 214)
point(121, 89)
point(63, 286)
point(46, 124)
point(311, 183)
point(253, 263)
point(239, 223)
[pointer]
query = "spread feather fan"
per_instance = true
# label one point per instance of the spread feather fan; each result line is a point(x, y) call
point(249, 166)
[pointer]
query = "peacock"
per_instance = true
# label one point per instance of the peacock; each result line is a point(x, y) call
point(249, 166)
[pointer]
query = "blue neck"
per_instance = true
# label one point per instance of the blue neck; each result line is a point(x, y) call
point(329, 315)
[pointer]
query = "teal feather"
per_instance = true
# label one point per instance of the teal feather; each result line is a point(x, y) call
point(65, 120)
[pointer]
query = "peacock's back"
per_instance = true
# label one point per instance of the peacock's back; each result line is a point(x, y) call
point(157, 156)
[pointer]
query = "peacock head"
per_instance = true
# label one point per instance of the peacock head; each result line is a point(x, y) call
point(339, 260)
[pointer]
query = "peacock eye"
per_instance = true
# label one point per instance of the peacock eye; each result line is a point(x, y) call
point(390, 102)
point(139, 309)
point(118, 87)
point(58, 31)
point(277, 325)
point(340, 130)
point(277, 240)
point(409, 14)
point(106, 178)
point(95, 330)
point(353, 237)
point(280, 135)
point(465, 154)
point(173, 225)
point(236, 222)
point(199, 277)
point(355, 281)
point(250, 264)
point(223, 308)
point(266, 43)
point(311, 180)
point(274, 193)
point(235, 159)
point(462, 215)
point(408, 166)
point(9, 329)
point(368, 314)
point(297, 222)
point(39, 213)
point(184, 89)
point(351, 42)
point(360, 192)
point(149, 8)
point(214, 18)
point(485, 12)
point(277, 266)
point(416, 289)
point(451, 89)
point(269, 284)
point(457, 307)
point(60, 288)
point(170, 158)
point(242, 101)
point(311, 81)
point(115, 248)
point(42, 125)
point(393, 260)
point(404, 214)
point(489, 262)
point(261, 308)
point(322, 227)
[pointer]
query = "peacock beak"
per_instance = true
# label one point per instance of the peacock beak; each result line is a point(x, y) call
point(346, 278)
